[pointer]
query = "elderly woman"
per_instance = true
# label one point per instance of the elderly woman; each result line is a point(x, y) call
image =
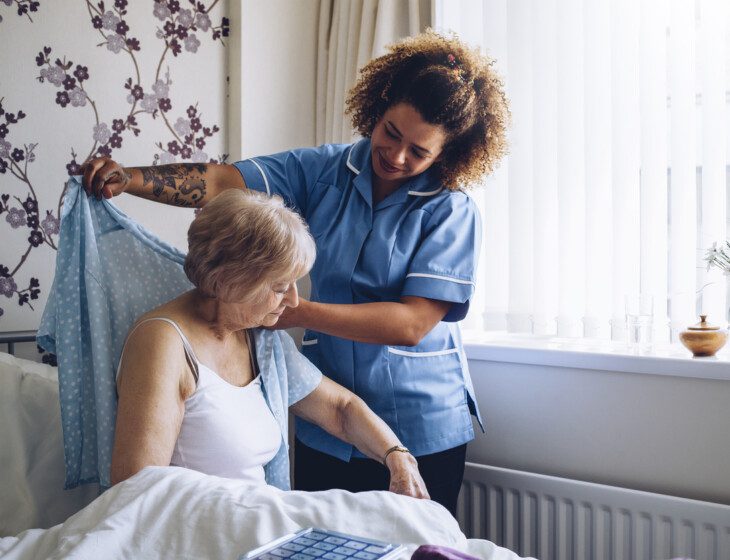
point(190, 390)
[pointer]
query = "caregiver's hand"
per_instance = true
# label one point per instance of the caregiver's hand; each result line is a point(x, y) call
point(291, 317)
point(104, 177)
point(404, 476)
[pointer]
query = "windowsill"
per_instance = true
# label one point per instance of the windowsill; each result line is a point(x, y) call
point(603, 355)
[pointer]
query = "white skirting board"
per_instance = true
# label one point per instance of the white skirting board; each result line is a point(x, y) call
point(554, 518)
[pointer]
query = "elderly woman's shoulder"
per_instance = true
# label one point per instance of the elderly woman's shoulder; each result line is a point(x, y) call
point(153, 330)
point(166, 310)
point(162, 322)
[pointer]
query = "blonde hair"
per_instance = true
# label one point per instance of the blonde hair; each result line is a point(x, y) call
point(241, 240)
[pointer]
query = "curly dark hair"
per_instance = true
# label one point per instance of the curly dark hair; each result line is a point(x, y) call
point(450, 85)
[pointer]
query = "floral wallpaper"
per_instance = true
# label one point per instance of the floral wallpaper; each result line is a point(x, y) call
point(142, 82)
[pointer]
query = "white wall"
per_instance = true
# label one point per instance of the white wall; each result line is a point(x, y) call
point(658, 433)
point(276, 81)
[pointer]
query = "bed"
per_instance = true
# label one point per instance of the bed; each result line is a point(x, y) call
point(170, 512)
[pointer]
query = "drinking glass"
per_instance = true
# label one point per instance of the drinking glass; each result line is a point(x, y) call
point(639, 320)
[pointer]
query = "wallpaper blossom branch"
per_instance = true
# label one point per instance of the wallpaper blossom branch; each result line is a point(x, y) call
point(140, 82)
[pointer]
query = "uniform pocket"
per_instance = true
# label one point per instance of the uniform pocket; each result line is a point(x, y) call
point(431, 378)
point(429, 391)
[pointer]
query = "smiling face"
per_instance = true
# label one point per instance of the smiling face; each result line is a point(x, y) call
point(404, 145)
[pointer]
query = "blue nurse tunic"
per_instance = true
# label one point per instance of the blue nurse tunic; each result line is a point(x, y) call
point(422, 240)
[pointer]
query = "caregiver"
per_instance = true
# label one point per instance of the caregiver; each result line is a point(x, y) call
point(397, 244)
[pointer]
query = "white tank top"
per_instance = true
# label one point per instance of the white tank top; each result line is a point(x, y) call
point(227, 430)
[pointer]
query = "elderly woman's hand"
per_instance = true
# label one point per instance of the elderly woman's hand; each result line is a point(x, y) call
point(404, 476)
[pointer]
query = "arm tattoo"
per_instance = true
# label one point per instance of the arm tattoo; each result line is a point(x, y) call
point(121, 175)
point(179, 184)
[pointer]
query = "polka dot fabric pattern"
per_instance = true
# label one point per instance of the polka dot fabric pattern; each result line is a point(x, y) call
point(109, 271)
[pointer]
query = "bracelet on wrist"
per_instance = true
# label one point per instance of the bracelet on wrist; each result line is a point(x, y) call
point(398, 448)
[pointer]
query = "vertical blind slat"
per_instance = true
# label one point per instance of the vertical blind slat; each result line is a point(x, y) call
point(713, 37)
point(545, 176)
point(496, 242)
point(683, 200)
point(571, 168)
point(597, 88)
point(625, 158)
point(519, 90)
point(653, 93)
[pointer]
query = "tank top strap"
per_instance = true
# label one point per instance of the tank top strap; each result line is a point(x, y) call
point(189, 353)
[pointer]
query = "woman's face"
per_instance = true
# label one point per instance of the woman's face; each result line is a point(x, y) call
point(266, 307)
point(404, 145)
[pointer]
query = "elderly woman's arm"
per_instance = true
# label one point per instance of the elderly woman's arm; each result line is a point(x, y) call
point(345, 415)
point(151, 387)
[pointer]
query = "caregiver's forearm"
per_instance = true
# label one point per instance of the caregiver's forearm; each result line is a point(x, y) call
point(189, 185)
point(402, 323)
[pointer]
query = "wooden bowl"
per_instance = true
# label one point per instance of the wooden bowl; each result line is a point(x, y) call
point(703, 343)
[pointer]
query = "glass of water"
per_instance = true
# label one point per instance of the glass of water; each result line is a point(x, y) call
point(639, 320)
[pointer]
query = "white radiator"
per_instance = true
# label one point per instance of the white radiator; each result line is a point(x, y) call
point(560, 519)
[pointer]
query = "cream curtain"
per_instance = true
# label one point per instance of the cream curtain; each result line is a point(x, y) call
point(351, 32)
point(617, 177)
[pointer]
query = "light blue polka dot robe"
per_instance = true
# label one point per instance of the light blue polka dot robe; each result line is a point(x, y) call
point(109, 271)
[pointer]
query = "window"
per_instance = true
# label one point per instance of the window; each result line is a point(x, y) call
point(617, 177)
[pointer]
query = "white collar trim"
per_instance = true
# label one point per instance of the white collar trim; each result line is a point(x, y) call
point(427, 193)
point(352, 168)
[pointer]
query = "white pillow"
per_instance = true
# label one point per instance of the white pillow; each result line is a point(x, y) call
point(31, 450)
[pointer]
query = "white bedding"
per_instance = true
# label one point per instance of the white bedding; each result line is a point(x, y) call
point(31, 453)
point(170, 512)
